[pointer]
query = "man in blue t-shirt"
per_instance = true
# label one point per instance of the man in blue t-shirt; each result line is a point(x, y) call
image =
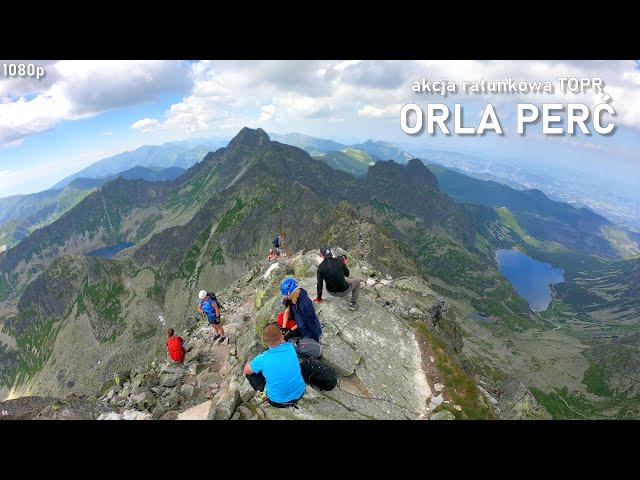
point(277, 370)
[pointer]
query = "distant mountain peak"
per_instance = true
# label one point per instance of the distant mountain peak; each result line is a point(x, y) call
point(250, 137)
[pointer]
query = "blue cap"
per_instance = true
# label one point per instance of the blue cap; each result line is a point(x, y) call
point(288, 285)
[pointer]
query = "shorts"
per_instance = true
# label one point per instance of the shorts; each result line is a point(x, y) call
point(213, 320)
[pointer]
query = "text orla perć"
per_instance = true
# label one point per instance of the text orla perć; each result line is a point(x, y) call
point(555, 118)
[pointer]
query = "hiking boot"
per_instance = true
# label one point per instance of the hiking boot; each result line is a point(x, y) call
point(216, 337)
point(222, 339)
point(353, 306)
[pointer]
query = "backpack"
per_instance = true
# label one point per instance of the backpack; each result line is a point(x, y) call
point(290, 323)
point(306, 347)
point(212, 296)
point(276, 242)
point(318, 374)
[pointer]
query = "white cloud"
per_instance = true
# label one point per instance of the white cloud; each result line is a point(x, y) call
point(380, 112)
point(146, 125)
point(78, 89)
point(223, 94)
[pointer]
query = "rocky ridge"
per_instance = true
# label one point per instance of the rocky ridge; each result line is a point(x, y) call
point(375, 351)
point(384, 369)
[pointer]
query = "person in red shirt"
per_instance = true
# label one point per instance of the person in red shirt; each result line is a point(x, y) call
point(175, 346)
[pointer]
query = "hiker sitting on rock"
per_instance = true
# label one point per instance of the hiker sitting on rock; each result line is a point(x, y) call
point(175, 346)
point(276, 372)
point(301, 306)
point(272, 255)
point(333, 271)
point(209, 307)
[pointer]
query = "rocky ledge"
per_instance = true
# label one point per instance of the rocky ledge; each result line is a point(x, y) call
point(384, 370)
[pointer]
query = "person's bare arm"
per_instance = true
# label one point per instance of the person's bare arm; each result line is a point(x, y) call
point(247, 369)
point(287, 314)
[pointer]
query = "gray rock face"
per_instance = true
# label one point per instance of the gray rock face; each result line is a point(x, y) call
point(208, 379)
point(435, 402)
point(226, 404)
point(246, 390)
point(170, 380)
point(443, 415)
point(340, 356)
point(245, 413)
point(374, 351)
point(187, 391)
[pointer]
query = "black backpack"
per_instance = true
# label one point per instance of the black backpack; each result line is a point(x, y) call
point(318, 374)
point(212, 295)
point(276, 242)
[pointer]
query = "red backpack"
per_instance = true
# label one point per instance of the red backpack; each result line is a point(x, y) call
point(174, 346)
point(290, 323)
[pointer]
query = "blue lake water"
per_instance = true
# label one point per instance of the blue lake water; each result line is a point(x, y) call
point(110, 251)
point(530, 278)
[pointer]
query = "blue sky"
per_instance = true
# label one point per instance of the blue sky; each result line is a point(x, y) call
point(84, 111)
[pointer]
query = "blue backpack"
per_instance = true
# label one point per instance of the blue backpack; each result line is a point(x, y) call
point(276, 242)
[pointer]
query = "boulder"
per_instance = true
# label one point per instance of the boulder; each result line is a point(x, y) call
point(435, 402)
point(170, 379)
point(194, 355)
point(228, 366)
point(245, 413)
point(159, 411)
point(136, 415)
point(371, 282)
point(173, 399)
point(126, 415)
point(187, 391)
point(246, 390)
point(143, 399)
point(203, 411)
point(198, 368)
point(172, 368)
point(438, 387)
point(171, 415)
point(208, 379)
point(488, 396)
point(226, 404)
point(443, 415)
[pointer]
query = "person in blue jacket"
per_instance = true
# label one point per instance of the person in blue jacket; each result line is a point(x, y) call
point(211, 310)
point(296, 298)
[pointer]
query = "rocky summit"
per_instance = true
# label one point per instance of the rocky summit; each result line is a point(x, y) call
point(386, 368)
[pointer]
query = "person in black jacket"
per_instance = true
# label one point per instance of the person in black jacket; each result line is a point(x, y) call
point(333, 271)
point(296, 298)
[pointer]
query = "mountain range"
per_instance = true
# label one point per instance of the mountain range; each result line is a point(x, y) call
point(172, 154)
point(22, 214)
point(69, 321)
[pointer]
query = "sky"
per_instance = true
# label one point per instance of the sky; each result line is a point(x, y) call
point(82, 111)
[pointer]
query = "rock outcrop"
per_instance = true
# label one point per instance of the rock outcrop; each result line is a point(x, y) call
point(376, 352)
